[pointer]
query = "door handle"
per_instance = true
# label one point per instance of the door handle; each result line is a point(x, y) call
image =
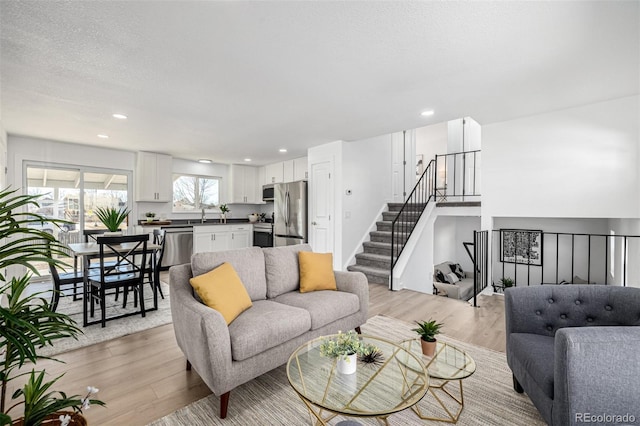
point(314, 223)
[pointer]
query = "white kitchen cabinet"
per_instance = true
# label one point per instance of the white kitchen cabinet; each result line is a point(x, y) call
point(287, 171)
point(221, 237)
point(244, 185)
point(274, 173)
point(300, 169)
point(241, 236)
point(153, 177)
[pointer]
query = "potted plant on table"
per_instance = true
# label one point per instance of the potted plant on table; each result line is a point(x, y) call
point(345, 347)
point(428, 330)
point(112, 218)
point(27, 322)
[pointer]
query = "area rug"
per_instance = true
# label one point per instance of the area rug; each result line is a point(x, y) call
point(269, 399)
point(116, 328)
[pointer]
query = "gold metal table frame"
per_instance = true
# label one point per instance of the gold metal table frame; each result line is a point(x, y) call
point(401, 381)
point(449, 364)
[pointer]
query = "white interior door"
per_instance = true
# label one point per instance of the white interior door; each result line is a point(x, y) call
point(403, 155)
point(321, 206)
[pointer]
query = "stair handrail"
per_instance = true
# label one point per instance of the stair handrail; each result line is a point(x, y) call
point(423, 192)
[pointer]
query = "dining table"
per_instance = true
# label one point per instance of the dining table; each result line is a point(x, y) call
point(91, 250)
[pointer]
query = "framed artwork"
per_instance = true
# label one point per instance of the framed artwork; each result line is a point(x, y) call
point(521, 246)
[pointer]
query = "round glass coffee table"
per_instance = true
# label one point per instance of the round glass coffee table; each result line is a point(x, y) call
point(449, 364)
point(398, 382)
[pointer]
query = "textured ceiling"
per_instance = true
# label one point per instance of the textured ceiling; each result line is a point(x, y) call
point(229, 80)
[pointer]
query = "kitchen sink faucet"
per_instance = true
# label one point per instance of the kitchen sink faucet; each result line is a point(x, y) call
point(203, 218)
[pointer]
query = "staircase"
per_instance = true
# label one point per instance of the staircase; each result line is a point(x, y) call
point(375, 261)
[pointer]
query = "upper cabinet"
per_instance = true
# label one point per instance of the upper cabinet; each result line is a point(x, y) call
point(153, 177)
point(286, 171)
point(300, 169)
point(245, 187)
point(274, 173)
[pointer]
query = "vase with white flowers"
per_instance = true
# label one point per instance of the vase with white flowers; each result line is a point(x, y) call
point(27, 322)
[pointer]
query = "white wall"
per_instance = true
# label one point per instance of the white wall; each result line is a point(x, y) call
point(431, 140)
point(3, 157)
point(626, 227)
point(366, 173)
point(438, 236)
point(577, 162)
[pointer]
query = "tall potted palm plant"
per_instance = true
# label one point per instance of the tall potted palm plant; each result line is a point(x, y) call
point(27, 322)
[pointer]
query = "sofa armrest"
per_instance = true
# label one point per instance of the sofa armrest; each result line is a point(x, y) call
point(201, 332)
point(596, 371)
point(356, 283)
point(450, 290)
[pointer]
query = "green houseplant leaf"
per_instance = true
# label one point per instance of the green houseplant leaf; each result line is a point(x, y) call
point(111, 217)
point(27, 322)
point(428, 330)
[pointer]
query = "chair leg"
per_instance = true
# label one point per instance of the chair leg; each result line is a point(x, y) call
point(188, 365)
point(516, 385)
point(103, 307)
point(224, 404)
point(125, 295)
point(358, 330)
point(141, 294)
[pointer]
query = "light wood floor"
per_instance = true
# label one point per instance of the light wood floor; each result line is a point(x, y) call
point(142, 376)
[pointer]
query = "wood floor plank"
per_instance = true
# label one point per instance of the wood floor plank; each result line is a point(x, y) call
point(142, 376)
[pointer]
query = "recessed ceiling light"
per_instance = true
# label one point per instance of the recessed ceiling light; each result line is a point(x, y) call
point(282, 150)
point(102, 136)
point(119, 116)
point(204, 161)
point(247, 159)
point(427, 113)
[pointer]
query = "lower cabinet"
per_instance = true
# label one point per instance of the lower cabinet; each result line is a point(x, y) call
point(221, 237)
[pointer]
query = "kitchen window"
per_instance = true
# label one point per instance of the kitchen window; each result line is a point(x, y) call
point(193, 193)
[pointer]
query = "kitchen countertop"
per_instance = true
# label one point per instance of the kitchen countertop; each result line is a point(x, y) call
point(193, 222)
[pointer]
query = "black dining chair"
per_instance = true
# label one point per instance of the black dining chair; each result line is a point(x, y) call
point(90, 235)
point(118, 268)
point(158, 238)
point(63, 279)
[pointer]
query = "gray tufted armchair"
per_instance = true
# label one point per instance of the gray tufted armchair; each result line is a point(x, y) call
point(575, 351)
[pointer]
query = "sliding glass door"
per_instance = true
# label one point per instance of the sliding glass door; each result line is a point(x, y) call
point(73, 194)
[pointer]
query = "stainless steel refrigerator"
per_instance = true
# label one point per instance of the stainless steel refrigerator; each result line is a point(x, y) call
point(290, 213)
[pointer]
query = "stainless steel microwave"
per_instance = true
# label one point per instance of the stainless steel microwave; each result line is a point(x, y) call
point(268, 192)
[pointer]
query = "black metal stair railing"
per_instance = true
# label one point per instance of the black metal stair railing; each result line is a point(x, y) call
point(407, 218)
point(448, 177)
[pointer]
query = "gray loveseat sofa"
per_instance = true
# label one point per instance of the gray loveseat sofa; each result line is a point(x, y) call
point(575, 350)
point(265, 335)
point(461, 290)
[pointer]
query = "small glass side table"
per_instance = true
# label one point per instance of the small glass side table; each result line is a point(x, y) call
point(449, 364)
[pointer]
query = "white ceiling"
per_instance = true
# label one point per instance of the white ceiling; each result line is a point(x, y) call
point(229, 80)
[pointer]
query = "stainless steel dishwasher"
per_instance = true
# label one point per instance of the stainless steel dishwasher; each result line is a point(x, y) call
point(178, 245)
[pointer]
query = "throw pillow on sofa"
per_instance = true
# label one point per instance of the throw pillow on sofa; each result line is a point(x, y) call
point(316, 271)
point(452, 278)
point(221, 289)
point(457, 269)
point(440, 277)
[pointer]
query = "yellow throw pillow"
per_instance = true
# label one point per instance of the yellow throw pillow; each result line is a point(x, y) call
point(222, 290)
point(316, 271)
